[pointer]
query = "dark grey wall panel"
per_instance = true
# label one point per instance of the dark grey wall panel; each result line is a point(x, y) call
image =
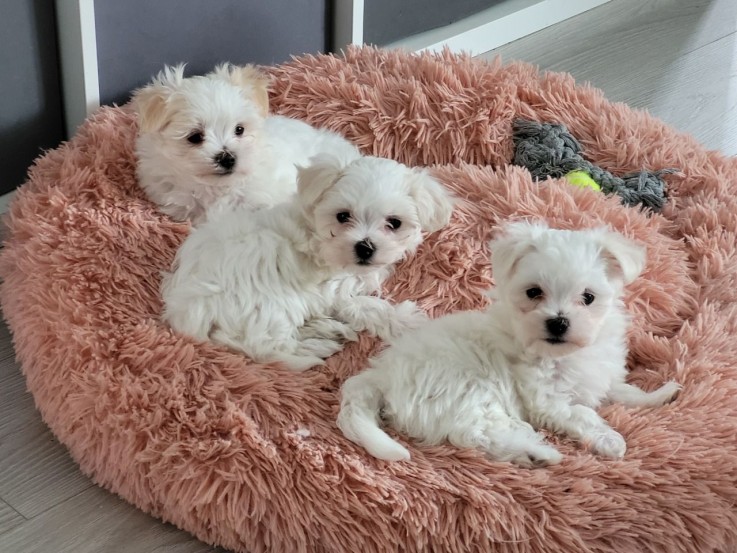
point(386, 21)
point(30, 107)
point(136, 38)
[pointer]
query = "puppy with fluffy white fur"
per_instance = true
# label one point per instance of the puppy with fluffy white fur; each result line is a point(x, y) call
point(547, 352)
point(293, 282)
point(207, 143)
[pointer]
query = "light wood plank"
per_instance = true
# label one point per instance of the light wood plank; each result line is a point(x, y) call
point(36, 472)
point(7, 353)
point(678, 60)
point(9, 518)
point(699, 95)
point(94, 521)
point(15, 401)
point(16, 404)
point(615, 37)
point(38, 477)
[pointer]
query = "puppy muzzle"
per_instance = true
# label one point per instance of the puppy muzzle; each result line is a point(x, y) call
point(364, 252)
point(224, 163)
point(557, 328)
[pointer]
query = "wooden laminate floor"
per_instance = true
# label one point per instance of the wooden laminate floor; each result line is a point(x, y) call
point(676, 58)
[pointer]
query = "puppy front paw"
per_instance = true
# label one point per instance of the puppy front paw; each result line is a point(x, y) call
point(319, 347)
point(379, 317)
point(540, 455)
point(407, 317)
point(327, 328)
point(297, 363)
point(668, 392)
point(609, 443)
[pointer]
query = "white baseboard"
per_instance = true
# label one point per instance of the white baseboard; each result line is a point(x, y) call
point(500, 24)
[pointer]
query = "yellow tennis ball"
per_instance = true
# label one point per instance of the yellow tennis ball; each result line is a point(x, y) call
point(582, 180)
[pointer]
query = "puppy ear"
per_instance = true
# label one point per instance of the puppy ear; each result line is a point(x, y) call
point(625, 258)
point(150, 102)
point(434, 203)
point(513, 242)
point(315, 179)
point(150, 105)
point(249, 79)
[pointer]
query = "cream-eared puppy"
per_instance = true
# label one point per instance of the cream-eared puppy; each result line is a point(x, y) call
point(206, 143)
point(291, 283)
point(547, 352)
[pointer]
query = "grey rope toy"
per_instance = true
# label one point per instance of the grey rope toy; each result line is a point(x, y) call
point(549, 150)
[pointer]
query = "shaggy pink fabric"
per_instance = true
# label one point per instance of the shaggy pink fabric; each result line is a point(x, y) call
point(249, 457)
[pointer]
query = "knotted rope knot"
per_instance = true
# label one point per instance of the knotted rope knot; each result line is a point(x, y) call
point(549, 150)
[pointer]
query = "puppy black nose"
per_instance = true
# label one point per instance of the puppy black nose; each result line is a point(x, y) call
point(226, 160)
point(558, 326)
point(364, 250)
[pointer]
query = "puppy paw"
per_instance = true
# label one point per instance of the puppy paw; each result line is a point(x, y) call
point(297, 363)
point(330, 329)
point(319, 347)
point(609, 443)
point(541, 455)
point(403, 317)
point(668, 392)
point(407, 317)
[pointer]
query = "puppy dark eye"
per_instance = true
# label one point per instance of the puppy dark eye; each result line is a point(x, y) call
point(393, 223)
point(343, 217)
point(195, 138)
point(534, 293)
point(588, 298)
point(239, 130)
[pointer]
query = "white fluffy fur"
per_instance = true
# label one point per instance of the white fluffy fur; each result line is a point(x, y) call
point(184, 179)
point(286, 284)
point(489, 379)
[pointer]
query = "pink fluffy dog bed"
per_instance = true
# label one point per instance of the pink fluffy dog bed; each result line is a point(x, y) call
point(249, 457)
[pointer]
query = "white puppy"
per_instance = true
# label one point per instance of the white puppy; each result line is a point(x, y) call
point(207, 142)
point(292, 282)
point(546, 353)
